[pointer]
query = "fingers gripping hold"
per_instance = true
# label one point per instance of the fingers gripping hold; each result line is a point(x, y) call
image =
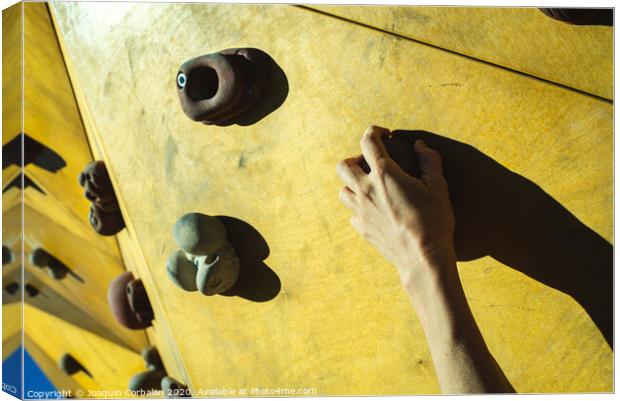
point(347, 197)
point(351, 173)
point(429, 161)
point(372, 146)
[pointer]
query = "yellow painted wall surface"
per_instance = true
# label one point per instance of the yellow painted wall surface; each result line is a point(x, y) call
point(71, 314)
point(51, 116)
point(11, 127)
point(59, 379)
point(340, 323)
point(93, 271)
point(11, 72)
point(57, 219)
point(11, 328)
point(523, 39)
point(110, 365)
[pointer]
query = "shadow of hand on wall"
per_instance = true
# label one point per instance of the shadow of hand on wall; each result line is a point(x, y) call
point(256, 282)
point(508, 217)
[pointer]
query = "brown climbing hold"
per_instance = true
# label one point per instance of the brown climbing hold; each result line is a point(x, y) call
point(217, 87)
point(129, 302)
point(105, 214)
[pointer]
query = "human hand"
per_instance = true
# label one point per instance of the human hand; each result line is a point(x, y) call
point(409, 220)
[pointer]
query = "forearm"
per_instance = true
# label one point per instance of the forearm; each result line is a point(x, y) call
point(461, 358)
point(411, 221)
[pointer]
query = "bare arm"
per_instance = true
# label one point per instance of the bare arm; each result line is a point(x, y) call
point(411, 223)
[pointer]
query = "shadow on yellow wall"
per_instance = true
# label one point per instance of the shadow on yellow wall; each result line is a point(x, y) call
point(508, 217)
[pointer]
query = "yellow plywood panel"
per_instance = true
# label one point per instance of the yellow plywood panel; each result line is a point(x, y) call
point(11, 198)
point(11, 237)
point(59, 379)
point(11, 328)
point(11, 126)
point(59, 300)
point(523, 39)
point(159, 334)
point(110, 365)
point(8, 175)
point(88, 287)
point(341, 323)
point(11, 72)
point(61, 215)
point(51, 116)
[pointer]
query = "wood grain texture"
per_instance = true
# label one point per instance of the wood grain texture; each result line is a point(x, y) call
point(110, 365)
point(341, 322)
point(523, 39)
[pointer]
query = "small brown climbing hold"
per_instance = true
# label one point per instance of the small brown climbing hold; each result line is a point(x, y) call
point(217, 87)
point(105, 214)
point(129, 302)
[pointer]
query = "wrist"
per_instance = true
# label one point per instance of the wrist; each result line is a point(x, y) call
point(430, 276)
point(426, 261)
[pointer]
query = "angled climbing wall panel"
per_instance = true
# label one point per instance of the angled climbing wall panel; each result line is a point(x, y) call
point(335, 318)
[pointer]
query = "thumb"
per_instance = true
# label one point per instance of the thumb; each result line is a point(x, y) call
point(429, 161)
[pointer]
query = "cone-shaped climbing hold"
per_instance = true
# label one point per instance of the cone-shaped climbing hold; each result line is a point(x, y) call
point(217, 87)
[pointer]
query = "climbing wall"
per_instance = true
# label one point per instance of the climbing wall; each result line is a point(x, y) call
point(519, 105)
point(63, 312)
